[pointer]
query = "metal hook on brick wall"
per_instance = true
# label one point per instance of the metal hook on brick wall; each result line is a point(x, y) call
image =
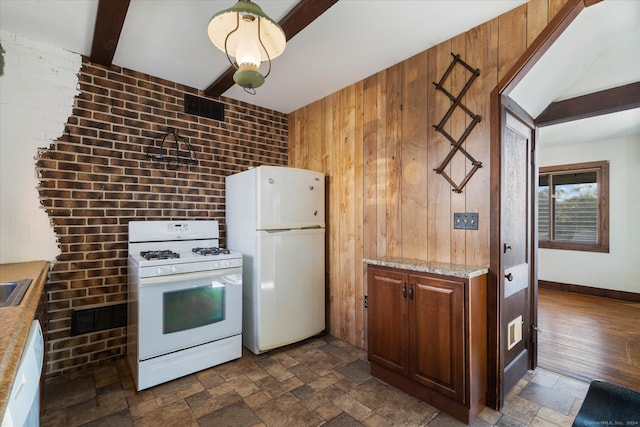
point(161, 153)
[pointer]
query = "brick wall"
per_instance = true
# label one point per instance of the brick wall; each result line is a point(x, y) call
point(97, 177)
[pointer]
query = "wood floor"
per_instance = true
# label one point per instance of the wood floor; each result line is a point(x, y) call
point(587, 337)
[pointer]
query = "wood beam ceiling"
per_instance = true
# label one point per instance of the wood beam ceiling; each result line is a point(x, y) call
point(111, 15)
point(594, 104)
point(106, 33)
point(303, 14)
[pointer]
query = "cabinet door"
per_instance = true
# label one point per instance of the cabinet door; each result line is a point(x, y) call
point(437, 334)
point(388, 320)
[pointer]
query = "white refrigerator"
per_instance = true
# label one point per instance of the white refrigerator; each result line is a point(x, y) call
point(275, 217)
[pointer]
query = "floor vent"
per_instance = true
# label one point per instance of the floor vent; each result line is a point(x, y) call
point(98, 319)
point(203, 107)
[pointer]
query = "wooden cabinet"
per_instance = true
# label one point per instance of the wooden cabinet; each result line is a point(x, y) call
point(428, 337)
point(436, 333)
point(388, 320)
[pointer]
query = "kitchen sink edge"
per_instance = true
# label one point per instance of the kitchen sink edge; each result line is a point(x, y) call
point(12, 293)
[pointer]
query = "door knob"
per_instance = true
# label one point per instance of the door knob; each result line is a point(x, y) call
point(509, 277)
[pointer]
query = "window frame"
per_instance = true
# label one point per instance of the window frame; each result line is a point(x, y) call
point(602, 178)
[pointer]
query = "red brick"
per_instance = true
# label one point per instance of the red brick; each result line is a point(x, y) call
point(97, 177)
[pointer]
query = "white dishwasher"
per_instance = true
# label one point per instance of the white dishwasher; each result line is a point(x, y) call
point(23, 406)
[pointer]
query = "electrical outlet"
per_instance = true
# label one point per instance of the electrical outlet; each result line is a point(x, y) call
point(465, 221)
point(366, 301)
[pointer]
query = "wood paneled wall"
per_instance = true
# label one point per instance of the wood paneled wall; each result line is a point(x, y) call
point(375, 142)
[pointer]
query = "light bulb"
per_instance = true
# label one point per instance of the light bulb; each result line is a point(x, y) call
point(248, 53)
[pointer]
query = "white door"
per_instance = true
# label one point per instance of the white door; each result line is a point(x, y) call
point(291, 287)
point(289, 198)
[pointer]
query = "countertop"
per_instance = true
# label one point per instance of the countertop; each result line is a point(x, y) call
point(16, 321)
point(445, 269)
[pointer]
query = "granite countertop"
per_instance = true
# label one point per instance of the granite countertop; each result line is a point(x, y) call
point(445, 269)
point(16, 321)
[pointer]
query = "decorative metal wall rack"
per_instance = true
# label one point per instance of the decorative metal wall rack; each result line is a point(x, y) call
point(456, 145)
point(171, 153)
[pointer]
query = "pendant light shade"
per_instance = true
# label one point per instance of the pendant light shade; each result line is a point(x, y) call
point(247, 34)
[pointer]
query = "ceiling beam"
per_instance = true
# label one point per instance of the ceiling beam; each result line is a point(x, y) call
point(588, 3)
point(302, 14)
point(594, 104)
point(106, 33)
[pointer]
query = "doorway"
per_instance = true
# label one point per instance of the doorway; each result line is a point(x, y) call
point(514, 87)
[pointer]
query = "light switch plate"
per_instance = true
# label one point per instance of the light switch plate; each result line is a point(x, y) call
point(465, 221)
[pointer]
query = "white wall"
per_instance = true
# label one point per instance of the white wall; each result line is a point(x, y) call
point(37, 94)
point(620, 268)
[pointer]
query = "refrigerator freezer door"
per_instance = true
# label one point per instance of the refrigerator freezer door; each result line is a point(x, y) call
point(289, 198)
point(291, 290)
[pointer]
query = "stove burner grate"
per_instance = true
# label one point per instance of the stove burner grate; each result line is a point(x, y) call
point(210, 251)
point(164, 254)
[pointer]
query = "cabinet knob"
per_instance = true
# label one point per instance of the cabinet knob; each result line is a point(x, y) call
point(509, 277)
point(411, 292)
point(404, 291)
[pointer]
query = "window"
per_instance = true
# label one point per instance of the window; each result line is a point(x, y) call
point(573, 207)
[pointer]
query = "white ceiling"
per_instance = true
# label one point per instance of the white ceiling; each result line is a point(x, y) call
point(351, 41)
point(168, 38)
point(607, 127)
point(600, 50)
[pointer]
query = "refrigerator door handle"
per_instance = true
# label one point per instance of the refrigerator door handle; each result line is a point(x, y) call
point(284, 230)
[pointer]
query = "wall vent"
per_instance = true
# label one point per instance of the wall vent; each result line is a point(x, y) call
point(203, 107)
point(98, 319)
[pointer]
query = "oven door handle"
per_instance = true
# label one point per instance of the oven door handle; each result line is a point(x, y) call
point(218, 275)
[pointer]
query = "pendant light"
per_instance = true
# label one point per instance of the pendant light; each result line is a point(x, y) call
point(247, 34)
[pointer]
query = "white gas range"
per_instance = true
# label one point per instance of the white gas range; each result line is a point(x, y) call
point(185, 300)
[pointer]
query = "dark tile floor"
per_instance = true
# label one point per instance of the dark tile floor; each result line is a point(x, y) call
point(321, 381)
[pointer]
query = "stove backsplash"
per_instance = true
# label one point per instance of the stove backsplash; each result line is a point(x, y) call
point(96, 177)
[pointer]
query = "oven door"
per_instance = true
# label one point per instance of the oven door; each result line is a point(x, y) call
point(184, 310)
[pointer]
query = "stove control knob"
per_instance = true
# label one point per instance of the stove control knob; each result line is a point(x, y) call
point(173, 269)
point(158, 270)
point(227, 263)
point(215, 265)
